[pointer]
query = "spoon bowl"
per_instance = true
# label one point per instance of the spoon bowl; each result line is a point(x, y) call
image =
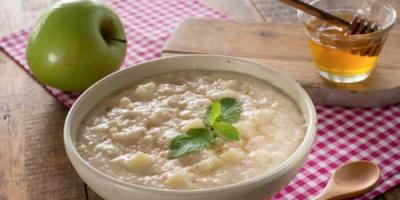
point(351, 179)
point(359, 174)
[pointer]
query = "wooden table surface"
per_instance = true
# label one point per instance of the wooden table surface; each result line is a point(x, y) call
point(33, 162)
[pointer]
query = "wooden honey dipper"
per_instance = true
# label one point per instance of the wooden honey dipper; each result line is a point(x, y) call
point(358, 25)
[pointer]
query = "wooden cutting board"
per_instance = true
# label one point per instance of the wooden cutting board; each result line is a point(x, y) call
point(284, 47)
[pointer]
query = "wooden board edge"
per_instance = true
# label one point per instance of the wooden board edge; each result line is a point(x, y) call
point(335, 97)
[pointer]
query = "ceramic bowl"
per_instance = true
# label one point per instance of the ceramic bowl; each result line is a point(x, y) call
point(260, 187)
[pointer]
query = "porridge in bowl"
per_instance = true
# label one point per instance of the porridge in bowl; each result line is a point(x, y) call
point(191, 129)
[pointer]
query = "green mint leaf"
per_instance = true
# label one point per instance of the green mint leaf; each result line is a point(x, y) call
point(200, 131)
point(213, 113)
point(193, 141)
point(230, 110)
point(226, 130)
point(218, 120)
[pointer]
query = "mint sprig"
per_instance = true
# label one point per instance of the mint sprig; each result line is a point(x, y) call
point(194, 140)
point(218, 120)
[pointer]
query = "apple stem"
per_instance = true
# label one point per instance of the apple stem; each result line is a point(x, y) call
point(119, 40)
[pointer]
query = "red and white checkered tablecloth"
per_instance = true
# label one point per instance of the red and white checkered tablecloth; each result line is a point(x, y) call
point(343, 134)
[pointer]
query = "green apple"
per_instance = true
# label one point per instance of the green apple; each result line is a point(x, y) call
point(75, 44)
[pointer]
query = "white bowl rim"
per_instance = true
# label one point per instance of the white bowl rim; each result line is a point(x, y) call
point(307, 142)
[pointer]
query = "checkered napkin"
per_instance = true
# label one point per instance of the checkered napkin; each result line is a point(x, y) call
point(343, 134)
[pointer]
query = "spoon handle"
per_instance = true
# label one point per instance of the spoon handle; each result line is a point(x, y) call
point(326, 195)
point(317, 13)
point(331, 192)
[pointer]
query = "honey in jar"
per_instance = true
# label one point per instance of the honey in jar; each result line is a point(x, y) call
point(336, 53)
point(348, 58)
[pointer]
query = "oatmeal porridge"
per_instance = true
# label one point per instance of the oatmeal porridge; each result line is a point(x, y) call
point(128, 135)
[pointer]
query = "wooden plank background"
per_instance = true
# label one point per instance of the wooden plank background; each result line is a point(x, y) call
point(33, 163)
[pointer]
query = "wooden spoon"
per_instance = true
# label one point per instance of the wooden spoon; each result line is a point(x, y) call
point(350, 180)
